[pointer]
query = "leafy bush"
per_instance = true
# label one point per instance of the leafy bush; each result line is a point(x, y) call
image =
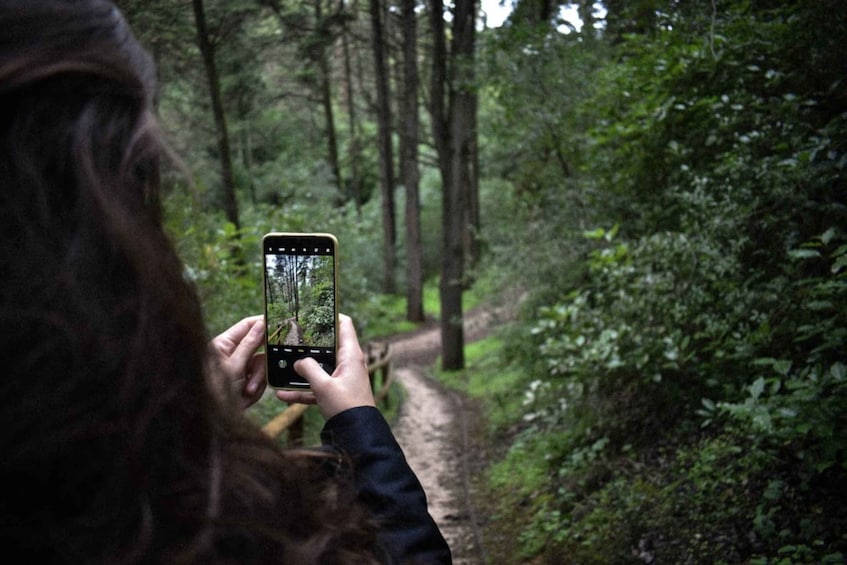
point(690, 369)
point(226, 264)
point(638, 343)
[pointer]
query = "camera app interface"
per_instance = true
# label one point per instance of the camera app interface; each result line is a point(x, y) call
point(300, 298)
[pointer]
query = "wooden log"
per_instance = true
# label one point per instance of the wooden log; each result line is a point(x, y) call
point(284, 419)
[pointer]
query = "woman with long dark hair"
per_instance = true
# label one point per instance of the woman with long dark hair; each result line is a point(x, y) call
point(121, 438)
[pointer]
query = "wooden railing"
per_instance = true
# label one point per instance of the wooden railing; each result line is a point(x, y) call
point(378, 357)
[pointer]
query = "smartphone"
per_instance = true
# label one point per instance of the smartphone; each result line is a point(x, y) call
point(301, 304)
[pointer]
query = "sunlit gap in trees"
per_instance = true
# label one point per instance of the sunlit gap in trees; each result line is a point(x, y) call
point(495, 13)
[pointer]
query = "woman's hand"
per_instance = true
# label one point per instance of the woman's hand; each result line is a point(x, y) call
point(237, 363)
point(349, 385)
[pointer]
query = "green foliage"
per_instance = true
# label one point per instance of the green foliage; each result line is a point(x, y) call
point(655, 317)
point(673, 201)
point(532, 140)
point(383, 315)
point(800, 397)
point(225, 263)
point(487, 377)
point(687, 371)
point(219, 260)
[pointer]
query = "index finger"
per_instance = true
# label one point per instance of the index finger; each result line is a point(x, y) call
point(250, 341)
point(239, 330)
point(230, 338)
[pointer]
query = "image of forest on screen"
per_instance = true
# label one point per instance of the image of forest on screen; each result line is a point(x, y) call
point(300, 297)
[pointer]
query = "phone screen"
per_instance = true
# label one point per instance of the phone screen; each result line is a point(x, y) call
point(300, 304)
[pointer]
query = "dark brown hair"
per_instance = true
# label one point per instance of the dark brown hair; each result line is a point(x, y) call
point(114, 446)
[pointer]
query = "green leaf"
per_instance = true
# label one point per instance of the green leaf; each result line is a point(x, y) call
point(773, 491)
point(839, 264)
point(782, 367)
point(599, 233)
point(828, 235)
point(757, 388)
point(803, 253)
point(764, 361)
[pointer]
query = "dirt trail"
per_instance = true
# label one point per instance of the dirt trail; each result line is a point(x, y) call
point(427, 430)
point(433, 428)
point(294, 336)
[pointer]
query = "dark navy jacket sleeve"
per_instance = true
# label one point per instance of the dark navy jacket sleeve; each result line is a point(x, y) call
point(387, 486)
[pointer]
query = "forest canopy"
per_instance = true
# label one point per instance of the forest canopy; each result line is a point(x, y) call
point(664, 186)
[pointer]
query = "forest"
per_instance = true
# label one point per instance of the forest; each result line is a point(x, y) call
point(657, 186)
point(300, 304)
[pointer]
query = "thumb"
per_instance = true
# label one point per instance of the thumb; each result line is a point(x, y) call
point(311, 370)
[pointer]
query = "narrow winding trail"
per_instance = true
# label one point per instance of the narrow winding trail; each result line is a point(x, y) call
point(294, 336)
point(434, 428)
point(426, 429)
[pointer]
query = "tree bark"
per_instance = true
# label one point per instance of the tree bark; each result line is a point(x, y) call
point(354, 187)
point(437, 87)
point(409, 165)
point(454, 123)
point(207, 51)
point(450, 294)
point(473, 219)
point(326, 100)
point(386, 156)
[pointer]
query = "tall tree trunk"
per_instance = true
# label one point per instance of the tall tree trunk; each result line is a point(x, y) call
point(454, 133)
point(207, 50)
point(452, 331)
point(329, 117)
point(409, 165)
point(326, 99)
point(386, 157)
point(473, 226)
point(354, 189)
point(453, 255)
point(246, 158)
point(437, 87)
